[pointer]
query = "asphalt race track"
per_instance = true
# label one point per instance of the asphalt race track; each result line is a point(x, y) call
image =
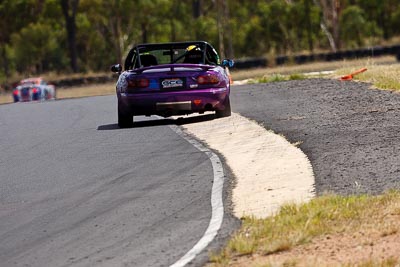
point(78, 191)
point(350, 132)
point(75, 190)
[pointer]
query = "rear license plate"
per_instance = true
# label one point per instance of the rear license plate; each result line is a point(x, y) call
point(173, 83)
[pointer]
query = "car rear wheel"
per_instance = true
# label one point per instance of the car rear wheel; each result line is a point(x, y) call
point(227, 111)
point(124, 120)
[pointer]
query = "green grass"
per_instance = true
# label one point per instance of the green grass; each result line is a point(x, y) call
point(278, 78)
point(296, 225)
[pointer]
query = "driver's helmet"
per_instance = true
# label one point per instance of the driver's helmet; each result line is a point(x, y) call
point(192, 47)
point(193, 55)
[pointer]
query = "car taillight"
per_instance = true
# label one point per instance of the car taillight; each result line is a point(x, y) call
point(138, 83)
point(16, 92)
point(35, 91)
point(208, 79)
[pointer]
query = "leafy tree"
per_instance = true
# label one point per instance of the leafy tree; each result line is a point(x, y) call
point(90, 35)
point(42, 53)
point(106, 26)
point(239, 29)
point(304, 25)
point(93, 47)
point(355, 28)
point(379, 12)
point(25, 11)
point(395, 21)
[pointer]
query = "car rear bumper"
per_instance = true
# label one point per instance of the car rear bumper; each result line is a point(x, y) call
point(173, 103)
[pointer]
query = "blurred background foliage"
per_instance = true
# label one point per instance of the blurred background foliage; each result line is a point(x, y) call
point(67, 36)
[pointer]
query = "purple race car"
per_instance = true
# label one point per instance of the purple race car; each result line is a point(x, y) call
point(172, 79)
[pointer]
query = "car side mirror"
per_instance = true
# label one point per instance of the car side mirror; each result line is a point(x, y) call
point(116, 68)
point(228, 63)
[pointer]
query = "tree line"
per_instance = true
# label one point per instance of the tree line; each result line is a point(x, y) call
point(64, 36)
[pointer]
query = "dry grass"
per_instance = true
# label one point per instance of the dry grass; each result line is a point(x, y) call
point(382, 73)
point(82, 91)
point(260, 240)
point(383, 77)
point(311, 67)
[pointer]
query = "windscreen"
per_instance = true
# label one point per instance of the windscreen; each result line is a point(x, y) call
point(172, 53)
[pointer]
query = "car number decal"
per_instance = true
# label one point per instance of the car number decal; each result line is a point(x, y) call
point(172, 83)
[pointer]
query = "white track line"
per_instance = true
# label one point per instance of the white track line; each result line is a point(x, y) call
point(217, 205)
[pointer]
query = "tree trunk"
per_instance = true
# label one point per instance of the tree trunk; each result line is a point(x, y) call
point(309, 30)
point(4, 61)
point(335, 22)
point(144, 33)
point(197, 4)
point(174, 14)
point(330, 23)
point(69, 8)
point(228, 29)
point(115, 28)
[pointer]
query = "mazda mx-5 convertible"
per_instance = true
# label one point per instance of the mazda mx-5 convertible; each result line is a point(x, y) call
point(172, 79)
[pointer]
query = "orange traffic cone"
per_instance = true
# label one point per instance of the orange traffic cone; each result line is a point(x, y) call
point(351, 75)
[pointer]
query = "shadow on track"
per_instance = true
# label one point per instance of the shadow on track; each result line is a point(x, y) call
point(161, 122)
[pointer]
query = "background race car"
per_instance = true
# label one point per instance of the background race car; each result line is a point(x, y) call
point(33, 89)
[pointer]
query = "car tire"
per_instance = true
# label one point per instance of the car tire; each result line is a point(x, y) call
point(225, 112)
point(124, 120)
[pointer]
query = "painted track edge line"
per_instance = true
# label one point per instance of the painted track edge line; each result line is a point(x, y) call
point(217, 206)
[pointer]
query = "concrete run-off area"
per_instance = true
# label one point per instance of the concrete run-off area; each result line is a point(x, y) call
point(269, 170)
